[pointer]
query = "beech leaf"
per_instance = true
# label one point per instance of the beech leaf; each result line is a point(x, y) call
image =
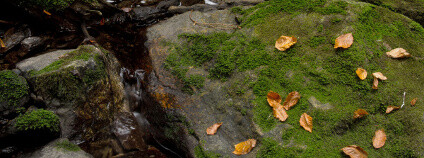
point(2, 44)
point(344, 41)
point(285, 42)
point(379, 139)
point(379, 75)
point(212, 129)
point(274, 99)
point(375, 83)
point(355, 151)
point(362, 73)
point(280, 113)
point(291, 100)
point(414, 101)
point(359, 113)
point(244, 147)
point(391, 108)
point(398, 53)
point(306, 122)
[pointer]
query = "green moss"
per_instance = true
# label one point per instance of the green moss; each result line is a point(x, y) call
point(271, 149)
point(199, 152)
point(67, 146)
point(37, 120)
point(12, 87)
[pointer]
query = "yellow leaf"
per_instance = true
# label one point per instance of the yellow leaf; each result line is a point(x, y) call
point(244, 147)
point(355, 151)
point(306, 122)
point(375, 83)
point(362, 73)
point(379, 139)
point(280, 113)
point(46, 12)
point(274, 99)
point(2, 44)
point(285, 42)
point(414, 101)
point(391, 108)
point(344, 41)
point(398, 53)
point(379, 75)
point(359, 113)
point(212, 129)
point(291, 100)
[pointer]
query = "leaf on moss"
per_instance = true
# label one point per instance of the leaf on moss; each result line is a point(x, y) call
point(379, 75)
point(274, 99)
point(414, 101)
point(306, 122)
point(2, 44)
point(291, 100)
point(355, 151)
point(398, 53)
point(344, 41)
point(359, 113)
point(244, 147)
point(212, 129)
point(375, 83)
point(391, 108)
point(285, 42)
point(362, 73)
point(379, 139)
point(280, 113)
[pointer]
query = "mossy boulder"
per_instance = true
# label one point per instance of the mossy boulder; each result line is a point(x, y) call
point(61, 147)
point(410, 8)
point(39, 119)
point(312, 67)
point(14, 92)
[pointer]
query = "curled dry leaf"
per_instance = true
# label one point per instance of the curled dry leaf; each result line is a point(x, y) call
point(391, 108)
point(291, 100)
point(379, 139)
point(398, 53)
point(244, 147)
point(274, 99)
point(212, 129)
point(362, 73)
point(344, 41)
point(375, 83)
point(414, 101)
point(280, 113)
point(355, 151)
point(285, 42)
point(359, 113)
point(379, 75)
point(306, 122)
point(2, 44)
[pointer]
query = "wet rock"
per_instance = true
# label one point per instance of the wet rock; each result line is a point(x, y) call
point(128, 132)
point(14, 91)
point(14, 36)
point(190, 2)
point(164, 5)
point(31, 43)
point(145, 13)
point(317, 104)
point(59, 148)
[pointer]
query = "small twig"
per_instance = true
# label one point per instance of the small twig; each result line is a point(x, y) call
point(6, 22)
point(403, 103)
point(214, 25)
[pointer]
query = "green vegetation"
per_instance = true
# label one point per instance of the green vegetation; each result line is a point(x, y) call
point(12, 88)
point(199, 152)
point(39, 119)
point(67, 146)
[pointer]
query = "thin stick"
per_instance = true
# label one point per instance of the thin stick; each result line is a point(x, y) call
point(215, 25)
point(6, 22)
point(403, 103)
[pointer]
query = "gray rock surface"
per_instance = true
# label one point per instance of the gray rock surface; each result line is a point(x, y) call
point(39, 62)
point(317, 104)
point(52, 150)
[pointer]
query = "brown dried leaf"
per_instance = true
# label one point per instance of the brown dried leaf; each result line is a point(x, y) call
point(355, 151)
point(344, 41)
point(391, 108)
point(291, 100)
point(379, 139)
point(379, 75)
point(306, 122)
point(212, 129)
point(362, 73)
point(274, 99)
point(2, 44)
point(46, 12)
point(414, 101)
point(280, 113)
point(285, 42)
point(244, 147)
point(375, 83)
point(359, 113)
point(398, 53)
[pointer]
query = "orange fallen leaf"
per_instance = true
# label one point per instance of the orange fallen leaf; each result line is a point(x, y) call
point(46, 12)
point(280, 113)
point(359, 113)
point(375, 83)
point(355, 151)
point(212, 129)
point(285, 42)
point(391, 108)
point(379, 75)
point(2, 44)
point(244, 147)
point(344, 41)
point(306, 122)
point(379, 139)
point(362, 73)
point(398, 53)
point(274, 99)
point(414, 101)
point(291, 100)
point(102, 22)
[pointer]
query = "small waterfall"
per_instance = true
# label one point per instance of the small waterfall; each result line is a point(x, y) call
point(133, 85)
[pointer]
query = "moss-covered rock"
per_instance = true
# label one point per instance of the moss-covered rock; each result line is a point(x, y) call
point(411, 8)
point(14, 91)
point(38, 120)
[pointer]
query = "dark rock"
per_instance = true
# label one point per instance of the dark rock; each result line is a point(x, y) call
point(164, 5)
point(55, 150)
point(14, 36)
point(190, 2)
point(31, 43)
point(14, 92)
point(128, 132)
point(145, 13)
